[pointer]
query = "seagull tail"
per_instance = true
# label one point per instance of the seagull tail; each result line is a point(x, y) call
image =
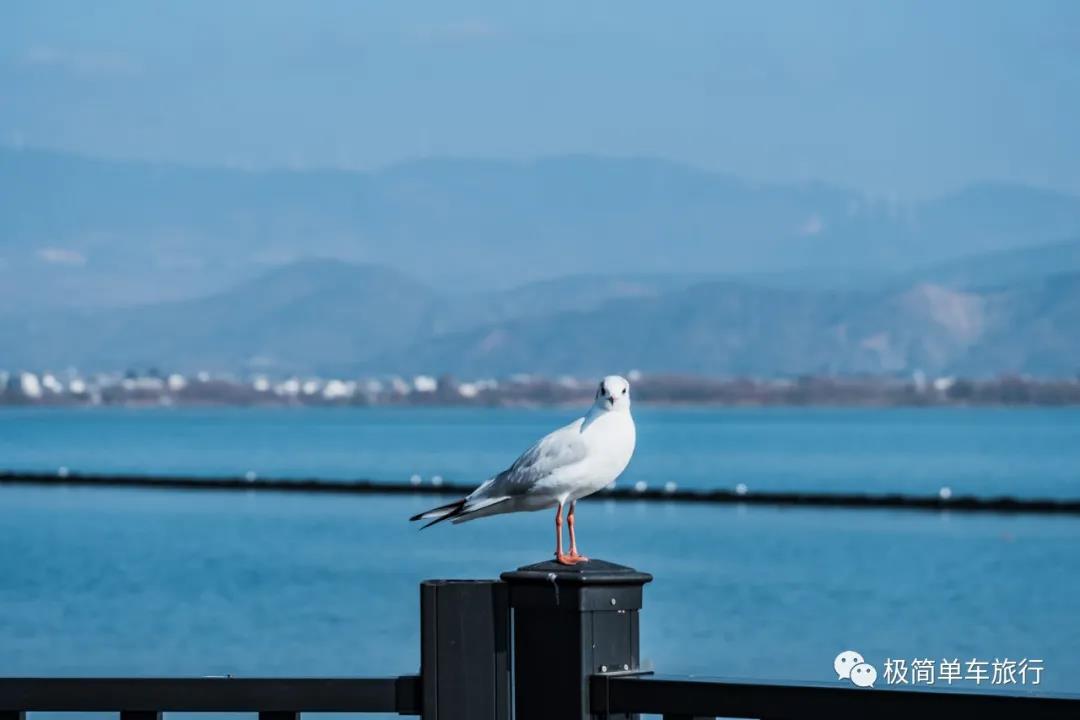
point(443, 512)
point(460, 511)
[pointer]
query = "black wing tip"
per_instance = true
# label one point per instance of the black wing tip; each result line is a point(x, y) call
point(436, 521)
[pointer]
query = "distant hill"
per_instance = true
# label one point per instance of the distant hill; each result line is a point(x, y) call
point(1000, 268)
point(732, 329)
point(89, 233)
point(307, 315)
point(295, 317)
point(330, 317)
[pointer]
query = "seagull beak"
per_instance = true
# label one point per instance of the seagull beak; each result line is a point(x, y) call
point(611, 401)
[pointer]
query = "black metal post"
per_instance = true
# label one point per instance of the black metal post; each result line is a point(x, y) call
point(464, 650)
point(570, 623)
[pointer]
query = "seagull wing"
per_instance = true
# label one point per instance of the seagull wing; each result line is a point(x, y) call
point(554, 452)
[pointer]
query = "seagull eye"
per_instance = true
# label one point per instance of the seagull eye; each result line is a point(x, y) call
point(624, 391)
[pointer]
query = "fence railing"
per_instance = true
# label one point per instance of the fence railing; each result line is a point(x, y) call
point(272, 698)
point(545, 642)
point(688, 697)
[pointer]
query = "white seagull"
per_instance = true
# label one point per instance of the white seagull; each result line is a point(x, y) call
point(568, 464)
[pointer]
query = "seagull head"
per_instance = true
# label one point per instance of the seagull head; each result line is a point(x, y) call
point(613, 393)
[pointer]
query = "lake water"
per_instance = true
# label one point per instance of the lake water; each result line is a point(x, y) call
point(185, 583)
point(1025, 452)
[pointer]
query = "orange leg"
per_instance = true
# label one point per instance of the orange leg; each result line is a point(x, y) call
point(561, 557)
point(573, 539)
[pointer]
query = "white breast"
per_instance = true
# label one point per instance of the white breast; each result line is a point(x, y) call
point(611, 439)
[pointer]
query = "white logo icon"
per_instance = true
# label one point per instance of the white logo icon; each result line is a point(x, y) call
point(844, 662)
point(864, 675)
point(850, 665)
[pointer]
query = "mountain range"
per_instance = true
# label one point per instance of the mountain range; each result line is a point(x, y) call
point(576, 265)
point(90, 232)
point(334, 318)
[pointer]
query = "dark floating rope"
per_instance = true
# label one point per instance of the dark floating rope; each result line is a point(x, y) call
point(963, 503)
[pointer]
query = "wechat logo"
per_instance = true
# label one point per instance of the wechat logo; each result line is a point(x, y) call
point(850, 665)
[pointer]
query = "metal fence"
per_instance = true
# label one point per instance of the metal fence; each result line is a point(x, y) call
point(147, 698)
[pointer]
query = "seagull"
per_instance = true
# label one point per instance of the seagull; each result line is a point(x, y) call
point(574, 461)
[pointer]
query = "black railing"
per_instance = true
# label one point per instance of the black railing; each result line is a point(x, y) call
point(545, 642)
point(272, 698)
point(688, 697)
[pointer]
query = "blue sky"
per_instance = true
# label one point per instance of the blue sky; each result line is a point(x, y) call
point(901, 99)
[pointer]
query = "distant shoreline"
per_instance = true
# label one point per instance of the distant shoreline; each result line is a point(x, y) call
point(569, 405)
point(48, 390)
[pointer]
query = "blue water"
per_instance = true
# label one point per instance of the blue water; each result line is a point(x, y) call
point(187, 583)
point(1025, 452)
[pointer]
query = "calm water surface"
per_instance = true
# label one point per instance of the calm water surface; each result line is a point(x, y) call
point(187, 583)
point(1025, 452)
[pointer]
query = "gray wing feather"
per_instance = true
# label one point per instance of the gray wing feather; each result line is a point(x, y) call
point(553, 452)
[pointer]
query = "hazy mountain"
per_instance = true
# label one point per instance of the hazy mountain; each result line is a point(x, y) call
point(572, 264)
point(728, 328)
point(308, 315)
point(332, 317)
point(574, 293)
point(294, 318)
point(86, 232)
point(1000, 268)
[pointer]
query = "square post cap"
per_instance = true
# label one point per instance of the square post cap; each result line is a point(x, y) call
point(592, 585)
